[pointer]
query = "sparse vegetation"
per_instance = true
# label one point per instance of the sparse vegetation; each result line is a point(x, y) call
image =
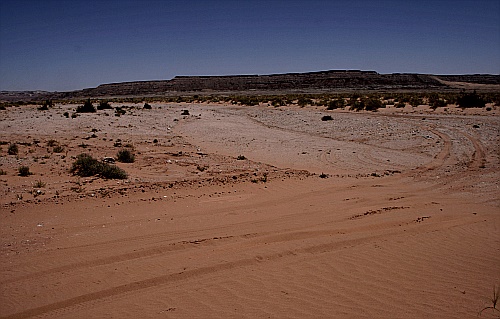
point(39, 184)
point(85, 166)
point(52, 143)
point(201, 168)
point(24, 171)
point(125, 156)
point(241, 158)
point(2, 172)
point(147, 106)
point(87, 107)
point(326, 118)
point(13, 149)
point(119, 111)
point(46, 105)
point(469, 100)
point(104, 105)
point(336, 104)
point(58, 149)
point(303, 101)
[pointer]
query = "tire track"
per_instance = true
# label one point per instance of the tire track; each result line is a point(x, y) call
point(150, 252)
point(324, 247)
point(479, 156)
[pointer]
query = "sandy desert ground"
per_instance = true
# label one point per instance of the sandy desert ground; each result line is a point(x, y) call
point(252, 212)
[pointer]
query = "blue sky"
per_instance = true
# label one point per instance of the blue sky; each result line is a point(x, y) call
point(62, 45)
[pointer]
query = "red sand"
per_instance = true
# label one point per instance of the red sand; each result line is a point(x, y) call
point(406, 224)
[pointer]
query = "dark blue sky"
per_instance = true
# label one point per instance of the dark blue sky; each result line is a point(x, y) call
point(61, 45)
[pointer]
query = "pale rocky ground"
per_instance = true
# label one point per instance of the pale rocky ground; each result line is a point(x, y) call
point(406, 224)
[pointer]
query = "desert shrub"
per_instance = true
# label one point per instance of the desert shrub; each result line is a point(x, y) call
point(185, 112)
point(13, 149)
point(400, 105)
point(468, 100)
point(52, 143)
point(147, 106)
point(437, 103)
point(58, 149)
point(24, 171)
point(326, 118)
point(66, 114)
point(125, 156)
point(87, 107)
point(357, 105)
point(104, 105)
point(416, 101)
point(335, 104)
point(303, 101)
point(241, 158)
point(277, 102)
point(45, 106)
point(119, 111)
point(2, 172)
point(112, 172)
point(85, 165)
point(372, 104)
point(39, 184)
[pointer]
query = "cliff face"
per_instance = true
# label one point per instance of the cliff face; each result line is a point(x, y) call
point(335, 80)
point(324, 80)
point(303, 81)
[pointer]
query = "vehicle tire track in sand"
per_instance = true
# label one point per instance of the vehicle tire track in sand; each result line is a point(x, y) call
point(174, 277)
point(317, 248)
point(479, 156)
point(149, 252)
point(440, 159)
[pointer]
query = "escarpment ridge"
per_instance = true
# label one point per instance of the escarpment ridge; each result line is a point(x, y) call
point(310, 82)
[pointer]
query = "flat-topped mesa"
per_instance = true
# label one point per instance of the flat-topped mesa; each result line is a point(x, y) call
point(309, 82)
point(321, 80)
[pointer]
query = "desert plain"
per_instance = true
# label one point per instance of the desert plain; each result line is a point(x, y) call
point(251, 212)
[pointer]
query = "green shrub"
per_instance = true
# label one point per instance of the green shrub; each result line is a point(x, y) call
point(87, 107)
point(24, 171)
point(13, 149)
point(85, 165)
point(125, 156)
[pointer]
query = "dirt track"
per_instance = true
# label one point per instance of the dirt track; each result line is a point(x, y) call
point(406, 224)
